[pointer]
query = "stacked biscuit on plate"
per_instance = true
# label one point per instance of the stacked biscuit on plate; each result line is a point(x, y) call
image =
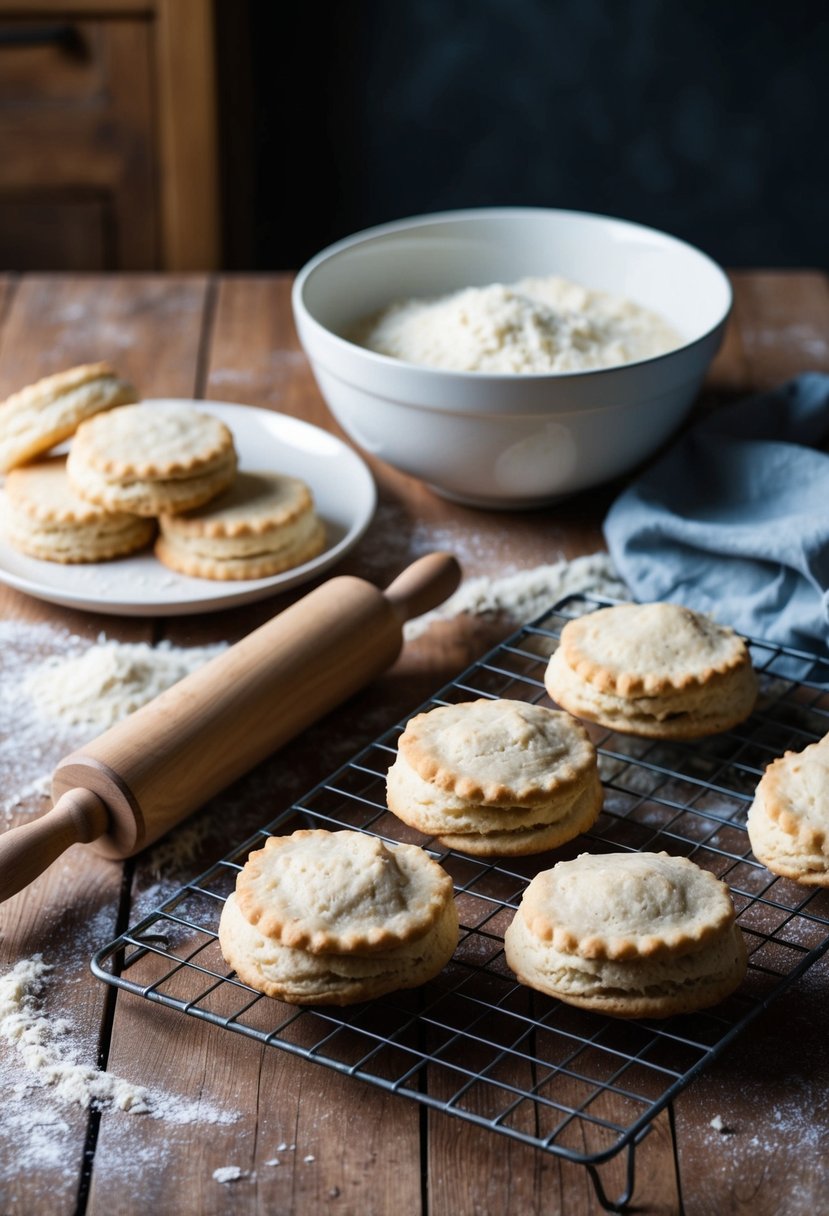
point(135, 470)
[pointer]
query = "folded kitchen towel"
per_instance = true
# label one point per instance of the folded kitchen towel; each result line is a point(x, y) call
point(734, 518)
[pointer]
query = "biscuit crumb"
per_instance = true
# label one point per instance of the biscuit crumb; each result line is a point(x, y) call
point(228, 1173)
point(273, 1161)
point(309, 1159)
point(719, 1126)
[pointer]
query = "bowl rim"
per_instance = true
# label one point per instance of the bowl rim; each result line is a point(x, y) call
point(366, 235)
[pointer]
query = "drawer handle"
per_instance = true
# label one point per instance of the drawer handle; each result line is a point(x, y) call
point(63, 35)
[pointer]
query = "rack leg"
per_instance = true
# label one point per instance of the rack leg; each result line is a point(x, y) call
point(620, 1204)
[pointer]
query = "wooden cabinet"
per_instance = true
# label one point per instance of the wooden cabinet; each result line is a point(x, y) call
point(108, 135)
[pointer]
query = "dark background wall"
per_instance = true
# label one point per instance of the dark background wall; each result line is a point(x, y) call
point(707, 118)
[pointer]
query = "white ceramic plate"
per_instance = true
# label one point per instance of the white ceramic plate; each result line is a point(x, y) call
point(345, 499)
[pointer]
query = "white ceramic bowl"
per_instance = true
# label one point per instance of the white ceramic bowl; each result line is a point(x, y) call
point(508, 440)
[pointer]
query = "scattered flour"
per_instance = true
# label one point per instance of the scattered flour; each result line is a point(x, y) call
point(526, 593)
point(107, 681)
point(49, 706)
point(535, 325)
point(42, 1077)
point(45, 1051)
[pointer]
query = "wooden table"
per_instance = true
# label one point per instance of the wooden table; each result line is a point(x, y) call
point(358, 1150)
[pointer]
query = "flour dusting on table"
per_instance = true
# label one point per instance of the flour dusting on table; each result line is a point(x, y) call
point(99, 687)
point(526, 593)
point(59, 691)
point(43, 1075)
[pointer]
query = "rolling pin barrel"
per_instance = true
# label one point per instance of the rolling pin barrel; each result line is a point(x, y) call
point(165, 760)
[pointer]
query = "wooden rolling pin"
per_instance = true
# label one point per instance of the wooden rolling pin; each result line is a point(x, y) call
point(132, 784)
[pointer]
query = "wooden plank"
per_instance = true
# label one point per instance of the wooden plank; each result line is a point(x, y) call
point(72, 908)
point(783, 320)
point(147, 326)
point(769, 1090)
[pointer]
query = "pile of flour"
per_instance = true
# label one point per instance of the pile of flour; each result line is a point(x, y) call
point(42, 1074)
point(535, 325)
point(52, 705)
point(104, 683)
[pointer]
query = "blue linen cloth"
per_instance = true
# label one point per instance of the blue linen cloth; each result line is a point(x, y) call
point(734, 519)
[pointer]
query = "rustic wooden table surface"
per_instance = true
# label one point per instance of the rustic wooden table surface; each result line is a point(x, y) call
point(357, 1149)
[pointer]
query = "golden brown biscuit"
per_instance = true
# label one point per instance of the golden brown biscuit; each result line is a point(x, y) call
point(658, 670)
point(495, 777)
point(331, 918)
point(628, 934)
point(149, 460)
point(34, 419)
point(788, 821)
point(40, 514)
point(263, 524)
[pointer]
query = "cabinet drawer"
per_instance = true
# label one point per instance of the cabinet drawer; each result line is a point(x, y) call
point(77, 123)
point(47, 62)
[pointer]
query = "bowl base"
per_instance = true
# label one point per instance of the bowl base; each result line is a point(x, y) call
point(499, 503)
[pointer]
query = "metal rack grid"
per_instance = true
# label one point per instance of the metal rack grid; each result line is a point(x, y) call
point(474, 1042)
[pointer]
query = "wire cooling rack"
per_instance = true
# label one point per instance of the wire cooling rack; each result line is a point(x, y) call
point(473, 1042)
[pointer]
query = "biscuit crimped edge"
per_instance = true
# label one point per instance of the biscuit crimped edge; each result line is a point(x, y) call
point(43, 414)
point(622, 996)
point(291, 499)
point(577, 754)
point(780, 801)
point(626, 684)
point(42, 492)
point(203, 443)
point(711, 896)
point(177, 557)
point(788, 820)
point(71, 545)
point(301, 978)
point(153, 498)
point(523, 842)
point(412, 922)
point(693, 713)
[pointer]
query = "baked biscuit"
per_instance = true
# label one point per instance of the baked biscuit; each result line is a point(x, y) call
point(263, 524)
point(495, 778)
point(34, 419)
point(147, 460)
point(788, 821)
point(658, 670)
point(40, 514)
point(331, 918)
point(628, 934)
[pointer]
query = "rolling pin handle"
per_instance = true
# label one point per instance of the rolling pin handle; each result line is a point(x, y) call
point(78, 817)
point(423, 585)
